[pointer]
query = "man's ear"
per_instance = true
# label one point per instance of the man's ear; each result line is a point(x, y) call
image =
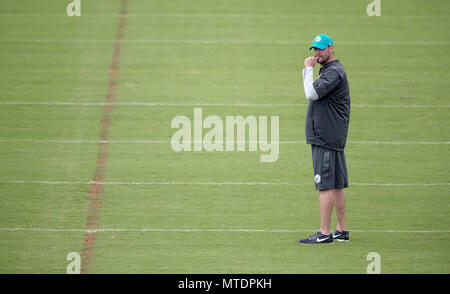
point(332, 49)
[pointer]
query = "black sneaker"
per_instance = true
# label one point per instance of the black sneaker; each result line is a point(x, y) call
point(341, 236)
point(318, 238)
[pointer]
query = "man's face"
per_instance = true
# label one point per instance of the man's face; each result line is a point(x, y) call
point(322, 55)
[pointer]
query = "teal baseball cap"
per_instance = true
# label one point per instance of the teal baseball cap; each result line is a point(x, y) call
point(322, 41)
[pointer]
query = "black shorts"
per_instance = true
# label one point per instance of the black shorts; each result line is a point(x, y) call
point(330, 169)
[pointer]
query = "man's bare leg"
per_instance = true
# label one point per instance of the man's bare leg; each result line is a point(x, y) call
point(326, 199)
point(339, 206)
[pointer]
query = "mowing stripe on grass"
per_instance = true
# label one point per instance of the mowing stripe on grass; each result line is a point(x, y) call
point(168, 104)
point(103, 183)
point(102, 156)
point(206, 230)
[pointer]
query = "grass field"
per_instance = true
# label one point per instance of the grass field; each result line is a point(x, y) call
point(218, 212)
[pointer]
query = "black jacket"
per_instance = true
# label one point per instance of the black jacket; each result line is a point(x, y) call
point(327, 118)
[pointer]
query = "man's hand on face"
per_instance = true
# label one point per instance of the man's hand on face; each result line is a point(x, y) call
point(310, 61)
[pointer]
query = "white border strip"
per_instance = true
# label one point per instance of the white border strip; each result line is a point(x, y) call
point(6, 181)
point(165, 104)
point(205, 230)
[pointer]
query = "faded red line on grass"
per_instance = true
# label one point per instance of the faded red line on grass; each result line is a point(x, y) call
point(97, 187)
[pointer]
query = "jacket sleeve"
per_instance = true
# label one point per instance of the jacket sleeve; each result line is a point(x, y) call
point(326, 82)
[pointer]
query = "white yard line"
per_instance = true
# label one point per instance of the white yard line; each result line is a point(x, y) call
point(227, 15)
point(48, 182)
point(75, 141)
point(144, 141)
point(233, 42)
point(144, 230)
point(174, 104)
point(400, 142)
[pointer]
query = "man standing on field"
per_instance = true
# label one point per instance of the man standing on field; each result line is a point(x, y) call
point(327, 120)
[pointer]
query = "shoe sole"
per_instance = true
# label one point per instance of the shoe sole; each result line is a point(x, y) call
point(339, 240)
point(315, 243)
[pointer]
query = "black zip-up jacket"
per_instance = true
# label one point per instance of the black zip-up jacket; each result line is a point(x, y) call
point(327, 118)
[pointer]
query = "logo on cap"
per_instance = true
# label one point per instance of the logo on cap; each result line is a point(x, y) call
point(317, 39)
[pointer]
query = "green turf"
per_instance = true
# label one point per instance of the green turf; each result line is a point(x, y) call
point(220, 52)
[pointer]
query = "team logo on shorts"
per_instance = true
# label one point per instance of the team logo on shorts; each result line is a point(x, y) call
point(317, 179)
